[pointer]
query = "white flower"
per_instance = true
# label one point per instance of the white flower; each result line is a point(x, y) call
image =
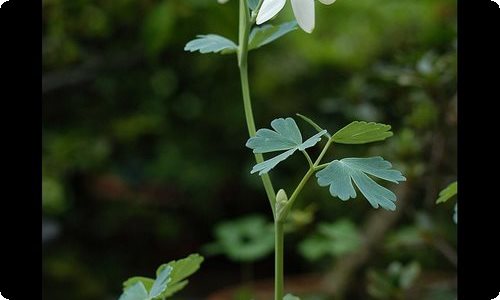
point(302, 9)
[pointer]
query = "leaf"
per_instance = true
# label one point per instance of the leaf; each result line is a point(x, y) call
point(360, 132)
point(334, 239)
point(290, 297)
point(252, 4)
point(447, 193)
point(147, 282)
point(173, 288)
point(245, 239)
point(313, 124)
point(169, 280)
point(285, 136)
point(160, 284)
point(135, 292)
point(181, 269)
point(263, 35)
point(211, 43)
point(339, 175)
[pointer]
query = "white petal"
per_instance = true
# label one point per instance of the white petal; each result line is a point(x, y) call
point(304, 13)
point(327, 2)
point(269, 9)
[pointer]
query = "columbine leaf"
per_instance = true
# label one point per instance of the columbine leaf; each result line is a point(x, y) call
point(340, 174)
point(360, 132)
point(181, 269)
point(290, 297)
point(160, 284)
point(285, 136)
point(266, 34)
point(447, 193)
point(135, 292)
point(147, 282)
point(169, 280)
point(211, 43)
point(246, 239)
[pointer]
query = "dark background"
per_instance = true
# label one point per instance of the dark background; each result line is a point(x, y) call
point(136, 173)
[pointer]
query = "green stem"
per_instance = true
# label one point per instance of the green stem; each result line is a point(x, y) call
point(315, 167)
point(244, 31)
point(278, 260)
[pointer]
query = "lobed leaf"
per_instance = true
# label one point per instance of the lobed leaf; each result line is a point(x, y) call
point(285, 136)
point(211, 43)
point(360, 132)
point(340, 175)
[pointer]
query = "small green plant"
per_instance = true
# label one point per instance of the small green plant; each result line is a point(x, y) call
point(170, 278)
point(285, 137)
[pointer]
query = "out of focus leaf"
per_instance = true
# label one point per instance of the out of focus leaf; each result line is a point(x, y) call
point(290, 297)
point(447, 193)
point(266, 34)
point(252, 4)
point(360, 132)
point(211, 43)
point(246, 239)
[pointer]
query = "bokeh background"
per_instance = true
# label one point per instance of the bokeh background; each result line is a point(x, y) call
point(144, 158)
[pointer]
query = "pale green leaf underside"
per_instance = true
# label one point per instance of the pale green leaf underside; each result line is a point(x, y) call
point(136, 291)
point(290, 297)
point(266, 34)
point(211, 43)
point(182, 268)
point(340, 175)
point(285, 136)
point(160, 284)
point(360, 132)
point(447, 193)
point(143, 288)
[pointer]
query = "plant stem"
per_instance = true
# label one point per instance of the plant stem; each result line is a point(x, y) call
point(244, 31)
point(278, 259)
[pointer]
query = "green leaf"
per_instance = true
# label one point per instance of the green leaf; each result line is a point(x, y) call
point(290, 297)
point(360, 132)
point(285, 136)
point(332, 239)
point(211, 43)
point(263, 35)
point(252, 4)
point(135, 292)
point(447, 193)
point(173, 288)
point(246, 239)
point(160, 284)
point(313, 124)
point(169, 280)
point(339, 175)
point(147, 282)
point(181, 269)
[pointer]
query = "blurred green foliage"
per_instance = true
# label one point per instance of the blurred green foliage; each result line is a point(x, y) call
point(143, 144)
